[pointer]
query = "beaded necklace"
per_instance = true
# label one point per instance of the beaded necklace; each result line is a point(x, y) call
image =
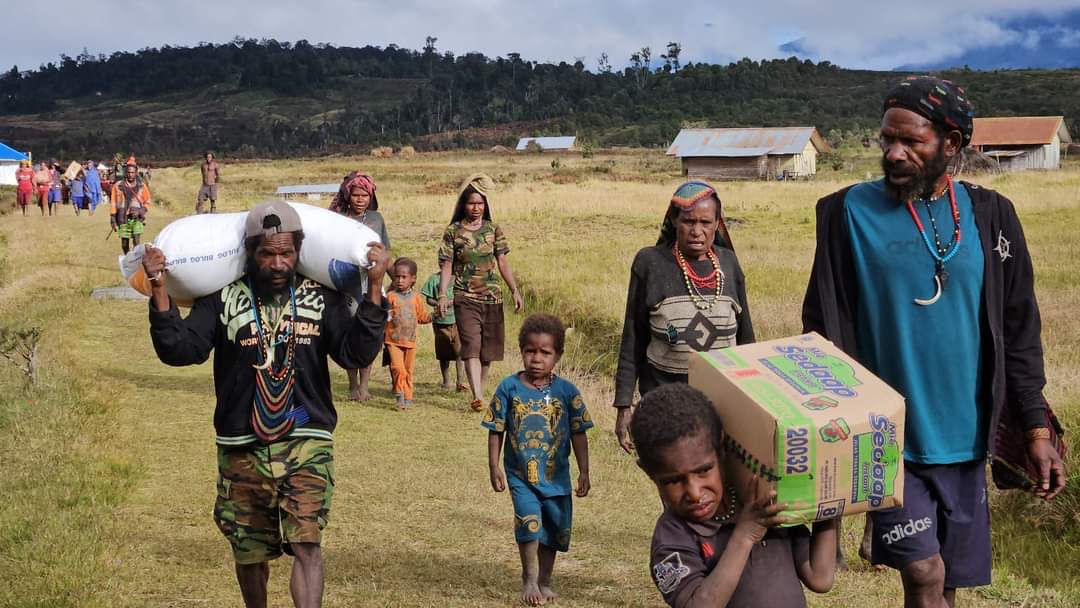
point(273, 416)
point(695, 282)
point(724, 518)
point(941, 254)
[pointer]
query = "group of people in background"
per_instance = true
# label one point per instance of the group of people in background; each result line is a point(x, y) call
point(47, 185)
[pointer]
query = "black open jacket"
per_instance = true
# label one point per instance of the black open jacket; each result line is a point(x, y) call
point(1012, 314)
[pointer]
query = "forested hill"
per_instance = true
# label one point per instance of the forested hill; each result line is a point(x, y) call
point(270, 98)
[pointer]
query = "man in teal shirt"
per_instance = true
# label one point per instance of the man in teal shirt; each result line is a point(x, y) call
point(929, 283)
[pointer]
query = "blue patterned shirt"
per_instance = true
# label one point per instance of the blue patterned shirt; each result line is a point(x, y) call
point(538, 426)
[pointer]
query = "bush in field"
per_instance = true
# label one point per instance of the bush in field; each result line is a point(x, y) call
point(588, 148)
point(20, 348)
point(532, 146)
point(407, 152)
point(382, 152)
point(832, 159)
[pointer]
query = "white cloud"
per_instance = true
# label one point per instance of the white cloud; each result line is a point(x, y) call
point(852, 33)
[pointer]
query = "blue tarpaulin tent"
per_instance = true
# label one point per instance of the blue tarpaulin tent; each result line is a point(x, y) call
point(9, 162)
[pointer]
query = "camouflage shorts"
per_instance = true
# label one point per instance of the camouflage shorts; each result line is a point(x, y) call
point(271, 495)
point(129, 229)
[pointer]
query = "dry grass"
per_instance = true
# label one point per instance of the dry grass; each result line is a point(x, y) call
point(109, 501)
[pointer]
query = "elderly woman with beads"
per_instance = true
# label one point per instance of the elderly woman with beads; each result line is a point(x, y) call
point(473, 247)
point(687, 293)
point(356, 199)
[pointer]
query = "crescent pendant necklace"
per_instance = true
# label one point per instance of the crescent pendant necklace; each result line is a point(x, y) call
point(941, 253)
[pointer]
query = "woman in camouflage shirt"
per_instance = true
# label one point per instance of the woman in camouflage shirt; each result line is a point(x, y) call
point(473, 247)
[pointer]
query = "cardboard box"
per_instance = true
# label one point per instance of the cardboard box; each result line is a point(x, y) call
point(818, 427)
point(72, 170)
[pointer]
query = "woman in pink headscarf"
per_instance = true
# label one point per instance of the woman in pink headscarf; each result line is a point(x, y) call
point(356, 199)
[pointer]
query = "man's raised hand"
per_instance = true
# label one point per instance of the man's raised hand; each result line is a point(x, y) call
point(154, 264)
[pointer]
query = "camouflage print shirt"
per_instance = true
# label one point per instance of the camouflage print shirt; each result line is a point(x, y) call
point(473, 254)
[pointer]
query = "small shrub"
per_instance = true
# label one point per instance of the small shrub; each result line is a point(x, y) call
point(19, 347)
point(382, 152)
point(407, 152)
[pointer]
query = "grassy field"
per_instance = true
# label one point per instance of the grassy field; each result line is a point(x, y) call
point(110, 465)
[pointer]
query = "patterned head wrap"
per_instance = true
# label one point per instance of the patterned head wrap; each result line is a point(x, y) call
point(480, 183)
point(131, 162)
point(354, 179)
point(939, 101)
point(685, 197)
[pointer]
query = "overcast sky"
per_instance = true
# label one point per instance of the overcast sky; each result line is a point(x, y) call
point(850, 33)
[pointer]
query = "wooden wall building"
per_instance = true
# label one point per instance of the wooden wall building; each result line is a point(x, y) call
point(1020, 143)
point(748, 153)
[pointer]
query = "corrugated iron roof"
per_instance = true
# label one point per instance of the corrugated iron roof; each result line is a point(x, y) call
point(548, 143)
point(743, 141)
point(310, 189)
point(1019, 131)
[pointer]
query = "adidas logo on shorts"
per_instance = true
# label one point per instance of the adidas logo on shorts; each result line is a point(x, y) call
point(911, 528)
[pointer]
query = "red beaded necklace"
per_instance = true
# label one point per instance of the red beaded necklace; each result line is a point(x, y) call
point(695, 282)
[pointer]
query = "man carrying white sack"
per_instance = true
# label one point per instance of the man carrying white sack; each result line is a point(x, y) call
point(273, 331)
point(929, 283)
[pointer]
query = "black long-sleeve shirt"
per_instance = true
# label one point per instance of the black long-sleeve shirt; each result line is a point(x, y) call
point(224, 321)
point(663, 326)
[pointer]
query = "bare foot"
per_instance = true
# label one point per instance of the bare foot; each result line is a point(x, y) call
point(531, 595)
point(549, 593)
point(354, 394)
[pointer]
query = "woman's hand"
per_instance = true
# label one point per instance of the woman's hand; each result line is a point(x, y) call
point(622, 428)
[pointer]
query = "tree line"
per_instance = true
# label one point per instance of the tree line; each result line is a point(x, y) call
point(640, 105)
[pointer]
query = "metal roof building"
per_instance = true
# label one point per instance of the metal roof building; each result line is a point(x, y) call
point(748, 153)
point(556, 144)
point(1022, 142)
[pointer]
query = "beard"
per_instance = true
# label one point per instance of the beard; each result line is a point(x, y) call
point(922, 181)
point(263, 279)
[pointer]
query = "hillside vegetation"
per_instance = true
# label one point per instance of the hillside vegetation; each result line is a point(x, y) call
point(254, 98)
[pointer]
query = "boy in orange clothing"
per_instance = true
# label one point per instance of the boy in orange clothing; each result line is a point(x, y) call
point(406, 311)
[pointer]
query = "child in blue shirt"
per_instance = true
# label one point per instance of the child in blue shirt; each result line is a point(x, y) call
point(542, 416)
